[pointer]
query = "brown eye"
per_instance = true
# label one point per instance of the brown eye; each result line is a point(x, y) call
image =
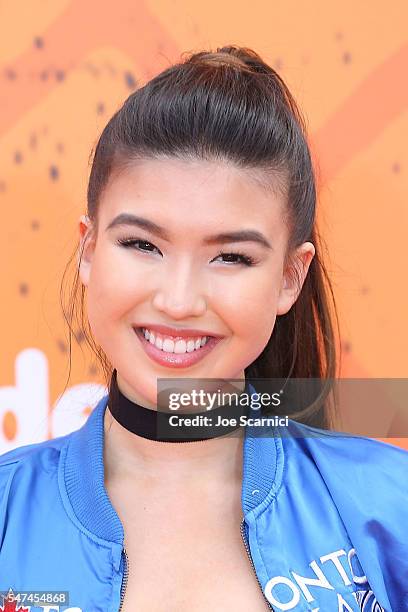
point(135, 243)
point(243, 259)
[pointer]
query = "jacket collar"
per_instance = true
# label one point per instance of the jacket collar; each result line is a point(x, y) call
point(83, 473)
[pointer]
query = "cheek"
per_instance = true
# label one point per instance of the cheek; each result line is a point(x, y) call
point(113, 290)
point(249, 306)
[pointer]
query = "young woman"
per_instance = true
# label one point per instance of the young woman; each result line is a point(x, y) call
point(200, 259)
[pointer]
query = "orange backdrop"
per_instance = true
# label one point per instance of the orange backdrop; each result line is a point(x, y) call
point(66, 66)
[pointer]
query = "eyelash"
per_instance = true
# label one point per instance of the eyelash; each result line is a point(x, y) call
point(246, 260)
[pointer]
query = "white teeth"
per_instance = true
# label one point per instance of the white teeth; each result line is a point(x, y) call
point(180, 346)
point(169, 346)
point(159, 342)
point(190, 346)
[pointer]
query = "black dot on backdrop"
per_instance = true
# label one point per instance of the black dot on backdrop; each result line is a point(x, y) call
point(32, 143)
point(60, 147)
point(79, 336)
point(44, 75)
point(23, 288)
point(18, 158)
point(38, 42)
point(2, 186)
point(54, 173)
point(339, 35)
point(11, 74)
point(346, 345)
point(59, 75)
point(100, 108)
point(35, 225)
point(61, 344)
point(92, 370)
point(365, 290)
point(346, 57)
point(396, 168)
point(130, 80)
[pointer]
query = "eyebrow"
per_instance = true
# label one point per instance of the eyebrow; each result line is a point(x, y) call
point(244, 235)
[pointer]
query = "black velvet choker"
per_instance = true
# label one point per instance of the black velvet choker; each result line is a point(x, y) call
point(155, 424)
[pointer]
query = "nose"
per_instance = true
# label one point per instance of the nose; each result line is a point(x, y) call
point(180, 293)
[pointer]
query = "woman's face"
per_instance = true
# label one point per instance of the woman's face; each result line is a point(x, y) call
point(176, 276)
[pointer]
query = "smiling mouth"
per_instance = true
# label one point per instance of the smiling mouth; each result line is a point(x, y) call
point(176, 354)
point(174, 344)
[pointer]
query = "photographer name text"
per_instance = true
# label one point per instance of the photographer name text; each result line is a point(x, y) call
point(178, 420)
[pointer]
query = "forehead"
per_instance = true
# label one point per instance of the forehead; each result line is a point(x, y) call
point(208, 193)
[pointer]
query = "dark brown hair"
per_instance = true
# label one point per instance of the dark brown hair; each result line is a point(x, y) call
point(230, 105)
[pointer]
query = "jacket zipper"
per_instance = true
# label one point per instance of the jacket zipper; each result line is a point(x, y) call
point(251, 560)
point(125, 577)
point(126, 569)
point(126, 563)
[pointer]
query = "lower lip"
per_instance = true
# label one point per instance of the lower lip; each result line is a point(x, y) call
point(176, 360)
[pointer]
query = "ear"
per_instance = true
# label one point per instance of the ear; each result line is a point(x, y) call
point(86, 247)
point(294, 276)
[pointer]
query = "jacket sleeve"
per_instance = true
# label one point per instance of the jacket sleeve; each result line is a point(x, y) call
point(7, 470)
point(9, 463)
point(368, 481)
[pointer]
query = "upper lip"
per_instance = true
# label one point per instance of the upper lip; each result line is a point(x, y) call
point(182, 332)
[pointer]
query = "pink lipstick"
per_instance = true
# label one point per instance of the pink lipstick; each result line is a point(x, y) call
point(176, 360)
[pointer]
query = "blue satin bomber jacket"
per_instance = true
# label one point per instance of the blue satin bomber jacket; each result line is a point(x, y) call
point(325, 521)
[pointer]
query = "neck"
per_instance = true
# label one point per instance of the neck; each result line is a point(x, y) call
point(129, 456)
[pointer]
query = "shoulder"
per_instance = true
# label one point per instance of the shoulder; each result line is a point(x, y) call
point(33, 452)
point(20, 463)
point(347, 447)
point(353, 463)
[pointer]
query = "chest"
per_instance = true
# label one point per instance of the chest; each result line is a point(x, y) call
point(197, 570)
point(184, 556)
